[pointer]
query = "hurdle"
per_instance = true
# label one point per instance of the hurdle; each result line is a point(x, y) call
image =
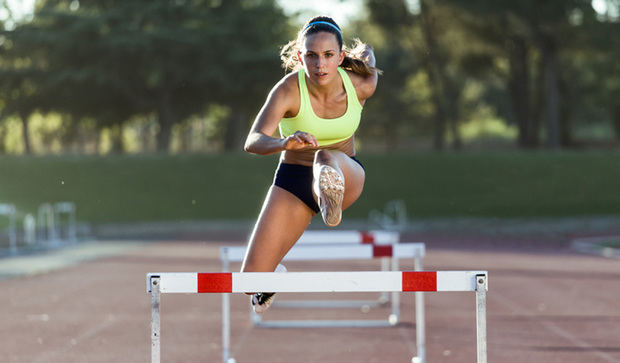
point(9, 211)
point(308, 252)
point(46, 225)
point(364, 281)
point(68, 209)
point(377, 237)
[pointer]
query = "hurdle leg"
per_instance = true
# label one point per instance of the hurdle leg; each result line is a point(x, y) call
point(155, 321)
point(481, 317)
point(420, 319)
point(225, 328)
point(385, 266)
point(394, 318)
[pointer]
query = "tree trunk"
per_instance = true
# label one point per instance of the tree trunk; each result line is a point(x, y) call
point(25, 133)
point(116, 136)
point(445, 93)
point(616, 120)
point(432, 65)
point(235, 129)
point(453, 111)
point(3, 133)
point(551, 97)
point(166, 121)
point(519, 86)
point(565, 110)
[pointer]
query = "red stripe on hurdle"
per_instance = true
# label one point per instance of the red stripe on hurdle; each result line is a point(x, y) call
point(382, 251)
point(419, 281)
point(215, 282)
point(367, 237)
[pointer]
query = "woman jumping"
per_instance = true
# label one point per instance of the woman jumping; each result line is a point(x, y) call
point(317, 108)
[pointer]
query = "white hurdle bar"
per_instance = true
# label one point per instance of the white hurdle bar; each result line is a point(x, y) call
point(364, 281)
point(377, 237)
point(307, 252)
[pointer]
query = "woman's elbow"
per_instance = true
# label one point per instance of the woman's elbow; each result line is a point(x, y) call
point(249, 147)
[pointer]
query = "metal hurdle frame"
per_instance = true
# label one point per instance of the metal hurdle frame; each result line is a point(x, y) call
point(46, 225)
point(328, 237)
point(68, 209)
point(9, 211)
point(364, 281)
point(308, 252)
point(378, 237)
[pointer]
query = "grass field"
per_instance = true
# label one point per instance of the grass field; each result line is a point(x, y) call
point(232, 186)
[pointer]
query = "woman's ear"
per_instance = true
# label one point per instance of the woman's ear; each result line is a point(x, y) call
point(342, 55)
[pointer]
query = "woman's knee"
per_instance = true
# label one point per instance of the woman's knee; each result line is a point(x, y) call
point(323, 156)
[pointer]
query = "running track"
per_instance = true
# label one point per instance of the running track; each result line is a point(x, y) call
point(545, 304)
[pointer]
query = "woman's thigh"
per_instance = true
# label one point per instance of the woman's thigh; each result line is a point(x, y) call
point(282, 220)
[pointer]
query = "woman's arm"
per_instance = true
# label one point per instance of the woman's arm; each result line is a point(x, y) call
point(281, 99)
point(365, 86)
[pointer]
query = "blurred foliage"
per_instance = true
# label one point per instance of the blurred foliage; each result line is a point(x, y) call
point(114, 60)
point(181, 76)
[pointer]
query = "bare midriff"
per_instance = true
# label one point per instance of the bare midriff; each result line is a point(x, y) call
point(306, 157)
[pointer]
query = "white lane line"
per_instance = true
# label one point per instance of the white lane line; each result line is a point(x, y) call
point(553, 328)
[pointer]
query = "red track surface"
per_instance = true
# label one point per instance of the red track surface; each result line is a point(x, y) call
point(544, 305)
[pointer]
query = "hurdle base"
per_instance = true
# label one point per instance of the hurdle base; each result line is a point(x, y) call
point(304, 304)
point(325, 324)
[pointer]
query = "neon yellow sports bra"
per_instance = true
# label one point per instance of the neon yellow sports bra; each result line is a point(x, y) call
point(326, 131)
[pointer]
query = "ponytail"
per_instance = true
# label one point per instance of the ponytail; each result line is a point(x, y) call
point(357, 62)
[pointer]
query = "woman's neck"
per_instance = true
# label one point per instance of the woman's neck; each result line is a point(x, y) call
point(335, 87)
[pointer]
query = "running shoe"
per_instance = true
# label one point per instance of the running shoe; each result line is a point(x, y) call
point(331, 194)
point(261, 301)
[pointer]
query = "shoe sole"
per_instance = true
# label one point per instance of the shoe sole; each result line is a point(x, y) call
point(331, 186)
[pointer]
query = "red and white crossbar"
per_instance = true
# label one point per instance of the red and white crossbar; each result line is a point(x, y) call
point(379, 237)
point(359, 281)
point(171, 282)
point(336, 252)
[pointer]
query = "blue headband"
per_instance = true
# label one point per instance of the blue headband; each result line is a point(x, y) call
point(324, 22)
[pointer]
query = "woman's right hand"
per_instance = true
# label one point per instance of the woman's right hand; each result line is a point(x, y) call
point(300, 140)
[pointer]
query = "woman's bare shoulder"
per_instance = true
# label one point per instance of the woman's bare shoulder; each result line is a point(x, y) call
point(285, 94)
point(364, 85)
point(288, 84)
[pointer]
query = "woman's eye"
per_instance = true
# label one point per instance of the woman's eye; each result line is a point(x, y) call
point(328, 55)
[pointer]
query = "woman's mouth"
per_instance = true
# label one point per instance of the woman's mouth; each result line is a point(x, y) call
point(320, 74)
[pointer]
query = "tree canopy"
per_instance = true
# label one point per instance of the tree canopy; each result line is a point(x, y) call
point(547, 69)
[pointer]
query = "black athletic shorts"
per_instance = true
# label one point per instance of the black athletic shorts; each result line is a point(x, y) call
point(297, 179)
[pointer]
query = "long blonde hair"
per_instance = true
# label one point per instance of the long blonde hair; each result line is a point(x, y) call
point(354, 60)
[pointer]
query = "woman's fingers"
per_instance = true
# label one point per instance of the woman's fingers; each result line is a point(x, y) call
point(301, 140)
point(308, 138)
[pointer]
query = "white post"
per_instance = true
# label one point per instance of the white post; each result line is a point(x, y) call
point(30, 229)
point(155, 321)
point(481, 317)
point(46, 224)
point(385, 266)
point(9, 211)
point(395, 317)
point(67, 208)
point(420, 319)
point(225, 311)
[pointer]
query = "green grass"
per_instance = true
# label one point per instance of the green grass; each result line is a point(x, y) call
point(232, 186)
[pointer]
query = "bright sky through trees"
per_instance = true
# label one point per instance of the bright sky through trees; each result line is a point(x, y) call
point(341, 10)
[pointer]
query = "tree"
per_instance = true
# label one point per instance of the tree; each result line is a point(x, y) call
point(111, 60)
point(533, 31)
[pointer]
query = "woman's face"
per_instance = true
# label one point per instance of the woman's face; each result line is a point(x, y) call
point(320, 55)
